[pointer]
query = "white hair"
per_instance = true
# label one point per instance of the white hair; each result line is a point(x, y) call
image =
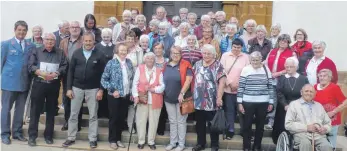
point(154, 22)
point(209, 48)
point(237, 21)
point(39, 27)
point(192, 36)
point(184, 24)
point(149, 54)
point(183, 10)
point(76, 22)
point(320, 43)
point(261, 28)
point(328, 71)
point(250, 21)
point(256, 54)
point(231, 26)
point(125, 12)
point(276, 25)
point(61, 24)
point(106, 32)
point(140, 16)
point(205, 17)
point(143, 37)
point(45, 35)
point(192, 14)
point(221, 12)
point(293, 60)
point(164, 24)
point(176, 18)
point(113, 20)
point(161, 7)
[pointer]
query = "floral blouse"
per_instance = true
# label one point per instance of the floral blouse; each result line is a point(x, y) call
point(206, 85)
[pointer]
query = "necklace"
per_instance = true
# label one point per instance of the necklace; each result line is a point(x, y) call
point(290, 85)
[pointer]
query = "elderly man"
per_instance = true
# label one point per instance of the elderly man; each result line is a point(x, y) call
point(183, 14)
point(234, 20)
point(69, 46)
point(85, 70)
point(161, 16)
point(220, 18)
point(213, 17)
point(15, 81)
point(165, 38)
point(308, 121)
point(62, 33)
point(205, 21)
point(47, 64)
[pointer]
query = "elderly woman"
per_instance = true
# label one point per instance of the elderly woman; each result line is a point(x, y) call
point(181, 40)
point(90, 26)
point(111, 22)
point(275, 31)
point(154, 34)
point(208, 39)
point(177, 78)
point(260, 43)
point(250, 33)
point(121, 28)
point(117, 78)
point(191, 53)
point(275, 61)
point(234, 20)
point(141, 23)
point(226, 42)
point(220, 19)
point(134, 13)
point(147, 90)
point(205, 22)
point(144, 43)
point(288, 90)
point(208, 91)
point(183, 14)
point(333, 100)
point(219, 36)
point(302, 46)
point(37, 36)
point(160, 61)
point(165, 38)
point(176, 21)
point(319, 62)
point(255, 98)
point(192, 17)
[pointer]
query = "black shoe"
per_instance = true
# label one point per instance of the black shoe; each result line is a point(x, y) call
point(49, 141)
point(140, 146)
point(214, 148)
point(93, 144)
point(198, 148)
point(32, 142)
point(65, 127)
point(6, 141)
point(152, 147)
point(230, 135)
point(160, 133)
point(346, 131)
point(20, 138)
point(68, 143)
point(79, 129)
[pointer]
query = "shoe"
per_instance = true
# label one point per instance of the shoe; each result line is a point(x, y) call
point(20, 138)
point(268, 127)
point(114, 146)
point(169, 147)
point(79, 129)
point(6, 141)
point(93, 144)
point(214, 148)
point(152, 147)
point(198, 148)
point(68, 143)
point(230, 135)
point(49, 141)
point(346, 131)
point(65, 127)
point(160, 133)
point(140, 146)
point(120, 144)
point(179, 148)
point(32, 142)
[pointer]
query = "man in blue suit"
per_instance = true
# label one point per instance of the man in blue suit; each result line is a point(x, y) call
point(15, 82)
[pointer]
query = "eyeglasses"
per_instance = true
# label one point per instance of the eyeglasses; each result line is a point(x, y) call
point(176, 54)
point(49, 39)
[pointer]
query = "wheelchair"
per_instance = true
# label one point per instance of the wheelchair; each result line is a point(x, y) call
point(285, 142)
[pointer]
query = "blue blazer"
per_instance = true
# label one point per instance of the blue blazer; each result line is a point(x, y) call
point(14, 65)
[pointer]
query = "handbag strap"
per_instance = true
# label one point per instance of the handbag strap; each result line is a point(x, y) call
point(267, 77)
point(233, 64)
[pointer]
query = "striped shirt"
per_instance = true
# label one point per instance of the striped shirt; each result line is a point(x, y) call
point(191, 55)
point(254, 86)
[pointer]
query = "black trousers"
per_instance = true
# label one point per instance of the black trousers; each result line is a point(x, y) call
point(162, 120)
point(201, 118)
point(103, 106)
point(117, 107)
point(40, 93)
point(278, 126)
point(259, 110)
point(67, 104)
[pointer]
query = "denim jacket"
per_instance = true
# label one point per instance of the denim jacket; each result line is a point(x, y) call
point(225, 43)
point(112, 78)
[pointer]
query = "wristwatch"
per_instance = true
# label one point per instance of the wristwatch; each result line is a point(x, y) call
point(182, 93)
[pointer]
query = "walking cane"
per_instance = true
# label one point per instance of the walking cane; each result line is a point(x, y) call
point(132, 127)
point(312, 141)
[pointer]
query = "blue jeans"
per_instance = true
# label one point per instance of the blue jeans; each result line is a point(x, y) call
point(333, 135)
point(230, 109)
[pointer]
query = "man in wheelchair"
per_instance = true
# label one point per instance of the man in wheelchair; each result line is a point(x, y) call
point(308, 122)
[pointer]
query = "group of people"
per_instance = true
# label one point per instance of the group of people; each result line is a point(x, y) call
point(151, 70)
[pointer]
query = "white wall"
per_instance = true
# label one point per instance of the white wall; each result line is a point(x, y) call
point(322, 21)
point(45, 13)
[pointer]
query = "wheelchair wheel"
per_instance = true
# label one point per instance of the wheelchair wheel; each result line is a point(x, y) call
point(283, 142)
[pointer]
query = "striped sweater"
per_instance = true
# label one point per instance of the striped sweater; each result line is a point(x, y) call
point(191, 55)
point(254, 86)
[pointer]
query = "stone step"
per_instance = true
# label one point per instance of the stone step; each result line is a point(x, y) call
point(103, 122)
point(234, 144)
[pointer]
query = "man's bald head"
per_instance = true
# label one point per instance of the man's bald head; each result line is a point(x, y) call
point(308, 92)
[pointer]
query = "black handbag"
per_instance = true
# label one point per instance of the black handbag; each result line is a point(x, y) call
point(219, 123)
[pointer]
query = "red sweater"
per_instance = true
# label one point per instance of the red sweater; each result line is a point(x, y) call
point(299, 47)
point(281, 59)
point(327, 63)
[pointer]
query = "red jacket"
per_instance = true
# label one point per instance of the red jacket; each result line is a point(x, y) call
point(281, 59)
point(327, 63)
point(299, 48)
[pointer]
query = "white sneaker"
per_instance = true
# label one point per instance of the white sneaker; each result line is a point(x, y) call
point(120, 144)
point(169, 147)
point(268, 127)
point(179, 148)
